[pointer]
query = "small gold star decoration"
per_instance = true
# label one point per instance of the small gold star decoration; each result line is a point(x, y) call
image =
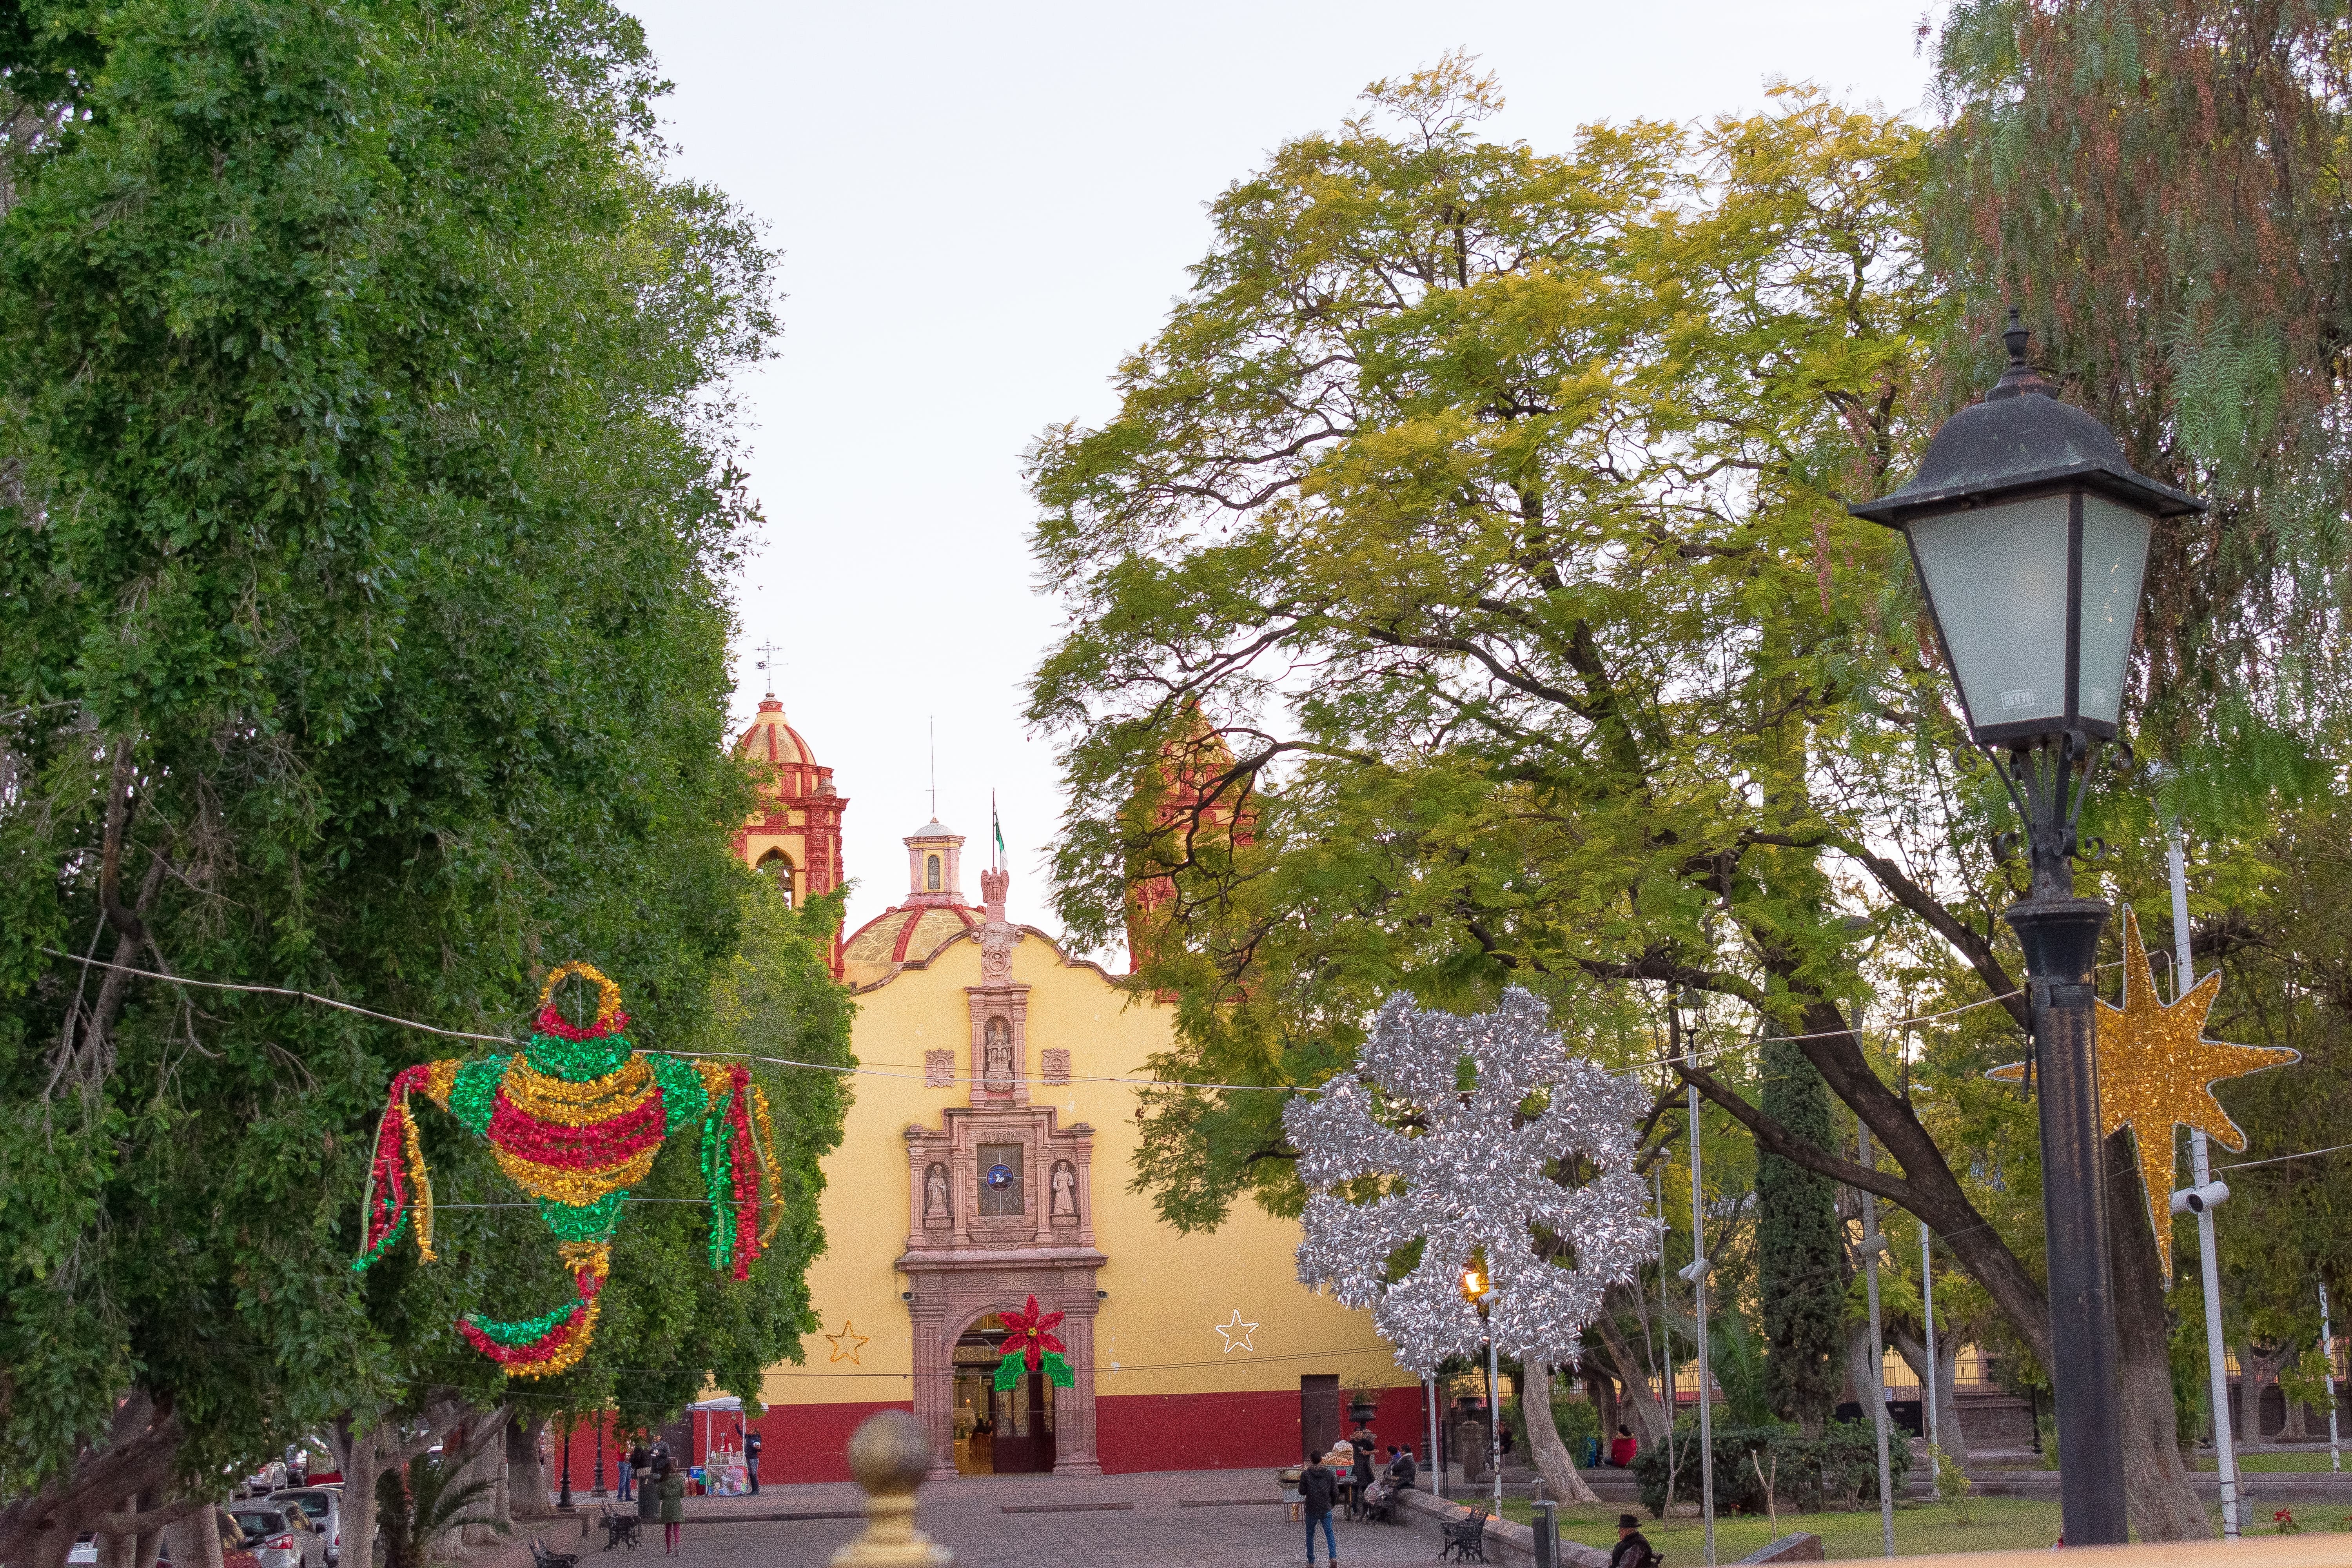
point(2156, 1068)
point(847, 1343)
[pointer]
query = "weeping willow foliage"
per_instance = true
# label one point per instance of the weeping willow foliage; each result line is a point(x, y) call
point(2160, 184)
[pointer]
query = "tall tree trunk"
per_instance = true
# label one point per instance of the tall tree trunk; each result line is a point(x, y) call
point(1551, 1456)
point(1948, 1435)
point(192, 1540)
point(2162, 1503)
point(526, 1491)
point(1650, 1420)
point(1860, 1386)
point(2253, 1372)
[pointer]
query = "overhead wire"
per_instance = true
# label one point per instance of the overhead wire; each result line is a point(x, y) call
point(907, 1070)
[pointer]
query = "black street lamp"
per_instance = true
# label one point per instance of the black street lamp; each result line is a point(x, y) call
point(2030, 531)
point(564, 1502)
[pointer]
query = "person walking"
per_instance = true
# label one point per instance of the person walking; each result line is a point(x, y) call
point(750, 1442)
point(1318, 1488)
point(672, 1507)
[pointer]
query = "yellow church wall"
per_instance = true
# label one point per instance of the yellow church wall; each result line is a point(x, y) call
point(1161, 1368)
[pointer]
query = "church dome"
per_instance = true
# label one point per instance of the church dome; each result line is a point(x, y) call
point(908, 934)
point(771, 740)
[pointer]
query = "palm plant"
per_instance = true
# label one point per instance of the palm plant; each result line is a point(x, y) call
point(415, 1506)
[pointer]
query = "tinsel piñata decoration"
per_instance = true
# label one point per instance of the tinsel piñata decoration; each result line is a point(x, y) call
point(1527, 1167)
point(575, 1121)
point(1031, 1345)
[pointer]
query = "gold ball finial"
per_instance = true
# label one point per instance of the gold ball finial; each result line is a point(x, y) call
point(889, 1454)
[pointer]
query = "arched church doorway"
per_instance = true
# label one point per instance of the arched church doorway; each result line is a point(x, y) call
point(1002, 1432)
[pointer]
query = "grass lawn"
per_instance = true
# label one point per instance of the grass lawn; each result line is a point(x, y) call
point(2000, 1524)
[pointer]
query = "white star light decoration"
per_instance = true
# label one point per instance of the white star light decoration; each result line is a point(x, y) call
point(1237, 1333)
point(1472, 1171)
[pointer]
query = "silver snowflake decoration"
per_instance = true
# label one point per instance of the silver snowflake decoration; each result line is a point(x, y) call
point(1465, 1171)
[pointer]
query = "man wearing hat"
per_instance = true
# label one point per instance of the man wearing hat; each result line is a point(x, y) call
point(1633, 1546)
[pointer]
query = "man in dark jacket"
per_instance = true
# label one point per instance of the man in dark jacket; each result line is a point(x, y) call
point(751, 1441)
point(1633, 1546)
point(1318, 1488)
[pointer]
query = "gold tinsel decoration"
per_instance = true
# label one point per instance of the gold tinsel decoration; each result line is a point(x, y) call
point(2156, 1069)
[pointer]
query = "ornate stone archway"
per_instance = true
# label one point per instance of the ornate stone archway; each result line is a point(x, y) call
point(950, 1297)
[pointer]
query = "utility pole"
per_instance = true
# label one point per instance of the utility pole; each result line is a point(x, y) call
point(2327, 1348)
point(1928, 1310)
point(2199, 1201)
point(1696, 1275)
point(1873, 1244)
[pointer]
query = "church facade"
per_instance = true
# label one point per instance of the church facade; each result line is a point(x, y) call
point(986, 1162)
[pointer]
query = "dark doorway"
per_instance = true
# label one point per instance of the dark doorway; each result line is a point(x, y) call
point(1319, 1412)
point(1024, 1427)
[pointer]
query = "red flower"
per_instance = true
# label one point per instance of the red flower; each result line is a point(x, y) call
point(1027, 1331)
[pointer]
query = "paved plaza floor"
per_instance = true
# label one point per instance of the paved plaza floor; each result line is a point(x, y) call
point(1214, 1519)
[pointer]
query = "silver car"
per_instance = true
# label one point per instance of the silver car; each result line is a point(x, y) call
point(279, 1536)
point(323, 1505)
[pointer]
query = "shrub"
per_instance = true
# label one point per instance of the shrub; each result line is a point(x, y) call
point(1838, 1470)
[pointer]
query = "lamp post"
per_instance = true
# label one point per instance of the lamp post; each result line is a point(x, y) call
point(564, 1502)
point(2030, 531)
point(1477, 1286)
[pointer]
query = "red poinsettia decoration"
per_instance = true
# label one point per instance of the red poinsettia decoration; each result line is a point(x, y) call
point(1031, 1332)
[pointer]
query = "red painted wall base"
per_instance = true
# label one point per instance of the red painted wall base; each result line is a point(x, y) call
point(1258, 1429)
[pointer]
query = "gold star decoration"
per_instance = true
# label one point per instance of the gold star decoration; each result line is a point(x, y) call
point(847, 1343)
point(2156, 1068)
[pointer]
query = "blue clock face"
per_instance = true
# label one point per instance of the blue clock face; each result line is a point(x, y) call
point(999, 1177)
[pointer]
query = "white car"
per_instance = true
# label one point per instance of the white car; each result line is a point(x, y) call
point(83, 1553)
point(324, 1505)
point(279, 1536)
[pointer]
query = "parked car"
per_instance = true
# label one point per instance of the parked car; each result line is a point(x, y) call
point(324, 1507)
point(265, 1481)
point(279, 1536)
point(83, 1553)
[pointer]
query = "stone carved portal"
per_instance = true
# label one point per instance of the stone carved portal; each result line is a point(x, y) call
point(1017, 1220)
point(965, 1262)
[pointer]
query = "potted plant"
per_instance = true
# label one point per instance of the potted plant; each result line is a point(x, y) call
point(1363, 1401)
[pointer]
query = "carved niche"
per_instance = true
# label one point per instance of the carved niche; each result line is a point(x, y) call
point(994, 1180)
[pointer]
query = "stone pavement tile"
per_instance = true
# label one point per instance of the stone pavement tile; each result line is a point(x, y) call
point(966, 1514)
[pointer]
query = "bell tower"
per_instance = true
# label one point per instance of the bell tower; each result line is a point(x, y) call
point(794, 835)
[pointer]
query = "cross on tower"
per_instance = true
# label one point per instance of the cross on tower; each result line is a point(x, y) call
point(768, 654)
point(935, 770)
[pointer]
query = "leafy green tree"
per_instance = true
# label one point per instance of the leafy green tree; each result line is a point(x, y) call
point(365, 515)
point(1488, 506)
point(1799, 1250)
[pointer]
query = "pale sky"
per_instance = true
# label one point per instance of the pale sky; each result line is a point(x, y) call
point(981, 209)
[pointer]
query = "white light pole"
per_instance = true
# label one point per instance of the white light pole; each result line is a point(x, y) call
point(1928, 1310)
point(1696, 1275)
point(1495, 1410)
point(1436, 1470)
point(2199, 1201)
point(2327, 1348)
point(1873, 1244)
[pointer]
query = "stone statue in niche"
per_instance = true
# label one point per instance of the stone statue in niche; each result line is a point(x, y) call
point(935, 1193)
point(1066, 1191)
point(996, 1038)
